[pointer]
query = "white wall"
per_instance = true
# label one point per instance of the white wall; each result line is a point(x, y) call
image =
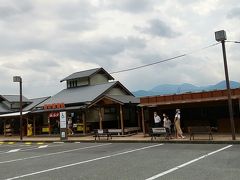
point(82, 82)
point(98, 79)
point(116, 91)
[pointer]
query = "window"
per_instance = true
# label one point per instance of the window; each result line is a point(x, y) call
point(72, 83)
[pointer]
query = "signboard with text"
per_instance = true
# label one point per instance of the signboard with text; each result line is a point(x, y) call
point(63, 120)
point(63, 125)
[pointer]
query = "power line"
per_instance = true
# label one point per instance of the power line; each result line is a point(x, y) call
point(233, 41)
point(164, 60)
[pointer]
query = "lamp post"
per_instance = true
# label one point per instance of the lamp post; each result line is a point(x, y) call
point(220, 36)
point(19, 79)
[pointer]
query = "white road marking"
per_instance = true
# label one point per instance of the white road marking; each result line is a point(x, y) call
point(187, 163)
point(43, 146)
point(58, 142)
point(29, 149)
point(83, 162)
point(14, 150)
point(55, 153)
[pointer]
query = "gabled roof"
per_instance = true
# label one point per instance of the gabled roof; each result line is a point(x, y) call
point(14, 98)
point(87, 73)
point(121, 99)
point(82, 94)
point(125, 98)
point(35, 102)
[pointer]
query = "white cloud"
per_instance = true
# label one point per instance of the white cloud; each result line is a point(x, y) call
point(44, 41)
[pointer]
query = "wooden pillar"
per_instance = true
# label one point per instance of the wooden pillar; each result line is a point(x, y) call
point(139, 120)
point(100, 118)
point(143, 123)
point(4, 128)
point(34, 126)
point(49, 127)
point(121, 119)
point(239, 105)
point(25, 129)
point(84, 122)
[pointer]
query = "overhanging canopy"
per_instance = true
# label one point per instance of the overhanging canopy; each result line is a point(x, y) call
point(14, 114)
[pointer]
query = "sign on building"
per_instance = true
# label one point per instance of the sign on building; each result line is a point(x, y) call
point(63, 125)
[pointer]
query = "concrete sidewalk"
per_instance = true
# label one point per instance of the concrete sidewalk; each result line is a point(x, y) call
point(217, 139)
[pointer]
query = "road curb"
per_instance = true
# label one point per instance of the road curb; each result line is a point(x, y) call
point(122, 141)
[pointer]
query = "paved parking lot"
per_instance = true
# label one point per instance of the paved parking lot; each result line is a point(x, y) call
point(119, 161)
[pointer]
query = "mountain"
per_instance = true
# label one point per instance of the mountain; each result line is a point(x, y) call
point(183, 88)
point(172, 89)
point(222, 85)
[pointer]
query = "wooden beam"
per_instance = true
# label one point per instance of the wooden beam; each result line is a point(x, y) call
point(121, 119)
point(143, 122)
point(4, 127)
point(139, 120)
point(34, 126)
point(26, 127)
point(100, 118)
point(49, 126)
point(239, 104)
point(84, 122)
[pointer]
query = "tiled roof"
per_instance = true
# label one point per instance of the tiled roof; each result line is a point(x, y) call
point(3, 109)
point(35, 102)
point(125, 98)
point(79, 94)
point(86, 73)
point(14, 98)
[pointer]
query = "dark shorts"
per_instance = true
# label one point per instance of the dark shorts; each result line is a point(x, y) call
point(157, 125)
point(168, 131)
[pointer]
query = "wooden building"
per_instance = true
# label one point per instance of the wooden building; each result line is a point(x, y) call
point(92, 100)
point(200, 108)
point(9, 113)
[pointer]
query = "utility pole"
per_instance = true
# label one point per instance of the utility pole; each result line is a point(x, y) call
point(220, 36)
point(19, 79)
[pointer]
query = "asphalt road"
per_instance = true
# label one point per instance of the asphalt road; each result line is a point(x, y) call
point(113, 161)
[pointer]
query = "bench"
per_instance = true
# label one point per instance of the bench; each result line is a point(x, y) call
point(157, 132)
point(127, 130)
point(200, 130)
point(115, 131)
point(130, 130)
point(101, 133)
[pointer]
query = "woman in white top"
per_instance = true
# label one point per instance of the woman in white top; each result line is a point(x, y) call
point(157, 119)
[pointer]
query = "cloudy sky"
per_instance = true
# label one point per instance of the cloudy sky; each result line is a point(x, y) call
point(44, 41)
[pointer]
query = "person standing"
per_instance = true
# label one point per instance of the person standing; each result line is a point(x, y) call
point(167, 125)
point(157, 120)
point(179, 133)
point(70, 131)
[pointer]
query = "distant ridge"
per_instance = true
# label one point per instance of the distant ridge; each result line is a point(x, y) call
point(165, 89)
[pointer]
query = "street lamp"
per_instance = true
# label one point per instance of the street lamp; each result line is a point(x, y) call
point(19, 79)
point(220, 36)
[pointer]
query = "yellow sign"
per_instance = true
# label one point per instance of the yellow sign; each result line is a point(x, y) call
point(45, 129)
